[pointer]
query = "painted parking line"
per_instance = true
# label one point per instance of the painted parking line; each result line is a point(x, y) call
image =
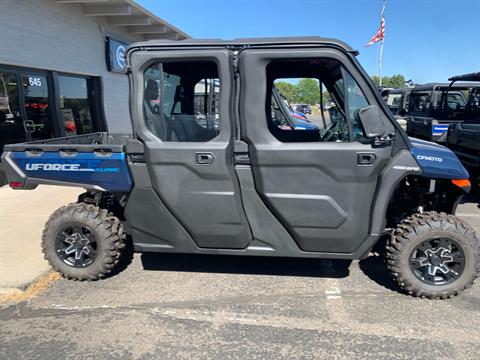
point(333, 293)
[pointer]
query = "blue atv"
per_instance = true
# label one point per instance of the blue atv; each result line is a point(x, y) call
point(224, 171)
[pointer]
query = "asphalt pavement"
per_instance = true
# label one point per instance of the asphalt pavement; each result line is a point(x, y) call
point(165, 306)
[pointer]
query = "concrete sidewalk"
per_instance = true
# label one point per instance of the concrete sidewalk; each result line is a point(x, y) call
point(22, 217)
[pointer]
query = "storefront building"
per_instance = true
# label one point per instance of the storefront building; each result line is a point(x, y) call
point(61, 65)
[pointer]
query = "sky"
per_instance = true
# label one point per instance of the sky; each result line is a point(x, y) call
point(425, 40)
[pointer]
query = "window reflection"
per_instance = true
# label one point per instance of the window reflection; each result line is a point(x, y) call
point(74, 105)
point(38, 122)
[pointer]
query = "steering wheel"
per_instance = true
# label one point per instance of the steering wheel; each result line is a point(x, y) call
point(332, 130)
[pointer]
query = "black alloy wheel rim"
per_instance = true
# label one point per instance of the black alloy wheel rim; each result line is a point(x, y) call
point(438, 261)
point(76, 245)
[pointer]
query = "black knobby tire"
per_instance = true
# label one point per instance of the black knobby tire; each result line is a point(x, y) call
point(426, 228)
point(101, 225)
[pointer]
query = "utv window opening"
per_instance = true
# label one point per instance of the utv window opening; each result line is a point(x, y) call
point(181, 101)
point(338, 99)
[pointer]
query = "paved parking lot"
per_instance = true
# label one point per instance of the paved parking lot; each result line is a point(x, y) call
point(184, 306)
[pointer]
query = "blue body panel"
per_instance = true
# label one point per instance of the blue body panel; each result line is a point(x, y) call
point(110, 172)
point(438, 130)
point(304, 125)
point(437, 161)
point(298, 113)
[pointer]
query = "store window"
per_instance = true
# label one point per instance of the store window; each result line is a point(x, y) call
point(11, 127)
point(38, 122)
point(40, 104)
point(75, 105)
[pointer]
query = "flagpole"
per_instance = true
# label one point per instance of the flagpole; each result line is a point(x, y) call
point(380, 48)
point(380, 54)
point(379, 37)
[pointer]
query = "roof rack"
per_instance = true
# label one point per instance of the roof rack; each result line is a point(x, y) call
point(466, 77)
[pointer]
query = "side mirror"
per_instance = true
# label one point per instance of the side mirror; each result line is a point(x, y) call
point(371, 121)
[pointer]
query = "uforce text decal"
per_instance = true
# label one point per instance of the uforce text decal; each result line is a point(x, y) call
point(89, 165)
point(430, 158)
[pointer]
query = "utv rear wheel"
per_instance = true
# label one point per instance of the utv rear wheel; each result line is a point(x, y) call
point(82, 241)
point(434, 255)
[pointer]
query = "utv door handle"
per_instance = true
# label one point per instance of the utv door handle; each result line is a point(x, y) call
point(366, 159)
point(204, 158)
point(29, 126)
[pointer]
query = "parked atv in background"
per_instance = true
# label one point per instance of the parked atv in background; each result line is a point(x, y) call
point(250, 186)
point(397, 101)
point(433, 107)
point(303, 108)
point(464, 138)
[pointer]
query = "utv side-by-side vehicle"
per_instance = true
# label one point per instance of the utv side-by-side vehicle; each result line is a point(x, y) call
point(464, 138)
point(433, 107)
point(207, 170)
point(398, 101)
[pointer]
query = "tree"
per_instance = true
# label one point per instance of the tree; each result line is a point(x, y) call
point(395, 81)
point(308, 91)
point(286, 89)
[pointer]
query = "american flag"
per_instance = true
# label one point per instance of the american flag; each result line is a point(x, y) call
point(380, 34)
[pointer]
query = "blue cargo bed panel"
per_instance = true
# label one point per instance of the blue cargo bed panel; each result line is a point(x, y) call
point(108, 171)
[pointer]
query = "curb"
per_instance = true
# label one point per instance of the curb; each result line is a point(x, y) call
point(25, 283)
point(10, 291)
point(16, 295)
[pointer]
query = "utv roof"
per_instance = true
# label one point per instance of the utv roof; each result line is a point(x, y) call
point(466, 77)
point(431, 86)
point(401, 90)
point(245, 42)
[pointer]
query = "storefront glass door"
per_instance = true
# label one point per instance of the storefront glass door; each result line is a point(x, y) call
point(11, 122)
point(38, 123)
point(39, 105)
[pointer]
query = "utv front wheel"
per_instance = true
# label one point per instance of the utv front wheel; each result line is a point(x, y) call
point(434, 255)
point(82, 241)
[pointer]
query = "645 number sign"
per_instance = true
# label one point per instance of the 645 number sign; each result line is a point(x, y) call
point(34, 81)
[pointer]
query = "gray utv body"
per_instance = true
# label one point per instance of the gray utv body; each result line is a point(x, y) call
point(398, 101)
point(464, 138)
point(434, 107)
point(247, 190)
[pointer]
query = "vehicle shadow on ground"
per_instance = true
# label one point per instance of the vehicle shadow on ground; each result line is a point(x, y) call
point(125, 260)
point(375, 268)
point(252, 265)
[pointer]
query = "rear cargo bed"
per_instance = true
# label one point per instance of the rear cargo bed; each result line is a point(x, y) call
point(92, 161)
point(81, 143)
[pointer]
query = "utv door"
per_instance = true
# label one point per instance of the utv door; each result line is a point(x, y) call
point(184, 106)
point(320, 185)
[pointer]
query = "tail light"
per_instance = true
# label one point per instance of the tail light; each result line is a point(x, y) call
point(16, 184)
point(462, 183)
